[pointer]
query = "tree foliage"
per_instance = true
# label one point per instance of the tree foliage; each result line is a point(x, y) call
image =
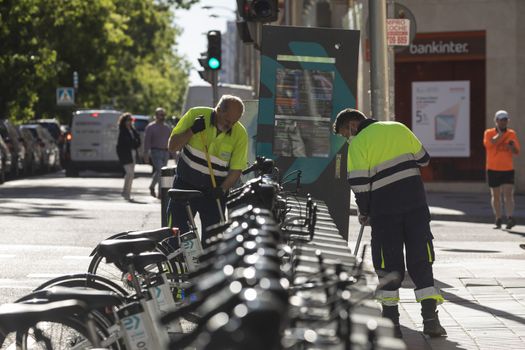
point(123, 51)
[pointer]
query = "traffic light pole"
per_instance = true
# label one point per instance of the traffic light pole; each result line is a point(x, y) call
point(378, 60)
point(214, 81)
point(391, 68)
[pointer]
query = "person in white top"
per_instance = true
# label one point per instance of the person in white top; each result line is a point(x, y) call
point(156, 138)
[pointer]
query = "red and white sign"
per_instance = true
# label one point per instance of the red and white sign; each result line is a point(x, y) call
point(398, 32)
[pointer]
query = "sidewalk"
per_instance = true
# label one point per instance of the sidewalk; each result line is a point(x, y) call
point(485, 293)
point(469, 207)
point(481, 311)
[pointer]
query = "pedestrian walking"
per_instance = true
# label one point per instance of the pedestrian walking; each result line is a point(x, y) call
point(501, 145)
point(383, 172)
point(208, 134)
point(128, 141)
point(156, 138)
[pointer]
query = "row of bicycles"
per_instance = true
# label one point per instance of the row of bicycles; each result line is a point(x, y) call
point(261, 283)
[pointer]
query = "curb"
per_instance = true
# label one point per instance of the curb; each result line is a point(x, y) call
point(479, 218)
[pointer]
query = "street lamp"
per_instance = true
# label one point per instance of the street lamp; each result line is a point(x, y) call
point(210, 7)
point(222, 8)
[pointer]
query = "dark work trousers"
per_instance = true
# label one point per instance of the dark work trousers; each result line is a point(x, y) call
point(206, 207)
point(411, 229)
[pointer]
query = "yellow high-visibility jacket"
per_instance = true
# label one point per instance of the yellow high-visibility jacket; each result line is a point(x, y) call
point(227, 150)
point(383, 168)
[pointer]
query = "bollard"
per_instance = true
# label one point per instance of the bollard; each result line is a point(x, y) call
point(166, 181)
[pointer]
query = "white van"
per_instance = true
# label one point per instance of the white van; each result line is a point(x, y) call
point(202, 95)
point(93, 144)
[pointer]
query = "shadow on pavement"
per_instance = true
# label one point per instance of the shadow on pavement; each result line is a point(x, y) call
point(453, 298)
point(42, 210)
point(132, 200)
point(415, 340)
point(512, 232)
point(57, 192)
point(455, 250)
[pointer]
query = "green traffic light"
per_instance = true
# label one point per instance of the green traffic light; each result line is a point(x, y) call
point(213, 63)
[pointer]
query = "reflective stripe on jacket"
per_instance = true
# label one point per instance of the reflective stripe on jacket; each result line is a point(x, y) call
point(383, 168)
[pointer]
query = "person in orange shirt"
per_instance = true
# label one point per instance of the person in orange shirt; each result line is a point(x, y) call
point(501, 144)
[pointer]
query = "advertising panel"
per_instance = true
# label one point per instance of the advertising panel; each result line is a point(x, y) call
point(308, 75)
point(441, 117)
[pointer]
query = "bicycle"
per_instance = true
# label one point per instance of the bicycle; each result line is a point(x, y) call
point(64, 324)
point(132, 321)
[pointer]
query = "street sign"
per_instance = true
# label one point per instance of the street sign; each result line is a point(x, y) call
point(398, 32)
point(65, 96)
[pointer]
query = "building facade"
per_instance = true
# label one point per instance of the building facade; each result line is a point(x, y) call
point(460, 41)
point(473, 49)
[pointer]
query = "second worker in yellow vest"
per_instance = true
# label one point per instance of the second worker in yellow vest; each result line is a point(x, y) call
point(383, 172)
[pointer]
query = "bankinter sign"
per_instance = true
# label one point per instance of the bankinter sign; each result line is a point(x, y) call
point(439, 47)
point(456, 45)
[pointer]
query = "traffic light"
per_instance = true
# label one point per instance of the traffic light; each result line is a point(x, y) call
point(205, 74)
point(244, 32)
point(258, 10)
point(214, 50)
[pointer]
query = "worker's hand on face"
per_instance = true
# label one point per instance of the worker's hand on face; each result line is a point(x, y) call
point(364, 220)
point(198, 125)
point(217, 192)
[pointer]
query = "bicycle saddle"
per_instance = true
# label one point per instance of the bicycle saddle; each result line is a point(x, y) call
point(156, 235)
point(116, 249)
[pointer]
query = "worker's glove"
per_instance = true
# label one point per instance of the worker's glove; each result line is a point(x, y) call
point(217, 192)
point(364, 220)
point(198, 125)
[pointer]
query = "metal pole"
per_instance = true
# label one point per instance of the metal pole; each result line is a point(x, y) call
point(358, 242)
point(391, 69)
point(166, 181)
point(214, 76)
point(287, 12)
point(378, 60)
point(212, 175)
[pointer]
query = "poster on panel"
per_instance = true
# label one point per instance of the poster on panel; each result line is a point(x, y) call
point(441, 117)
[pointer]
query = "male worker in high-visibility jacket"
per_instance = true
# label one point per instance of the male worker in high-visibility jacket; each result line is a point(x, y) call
point(383, 172)
point(201, 133)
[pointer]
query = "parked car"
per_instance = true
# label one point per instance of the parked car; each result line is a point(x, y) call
point(54, 128)
point(34, 153)
point(16, 147)
point(140, 122)
point(5, 159)
point(47, 144)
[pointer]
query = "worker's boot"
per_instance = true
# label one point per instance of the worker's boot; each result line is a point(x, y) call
point(431, 325)
point(392, 313)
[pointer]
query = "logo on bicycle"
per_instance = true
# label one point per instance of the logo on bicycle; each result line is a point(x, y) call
point(188, 244)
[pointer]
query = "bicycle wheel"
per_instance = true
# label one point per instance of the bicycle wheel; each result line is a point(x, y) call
point(56, 334)
point(104, 322)
point(99, 267)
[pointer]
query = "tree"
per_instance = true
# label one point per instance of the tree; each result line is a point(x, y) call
point(123, 51)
